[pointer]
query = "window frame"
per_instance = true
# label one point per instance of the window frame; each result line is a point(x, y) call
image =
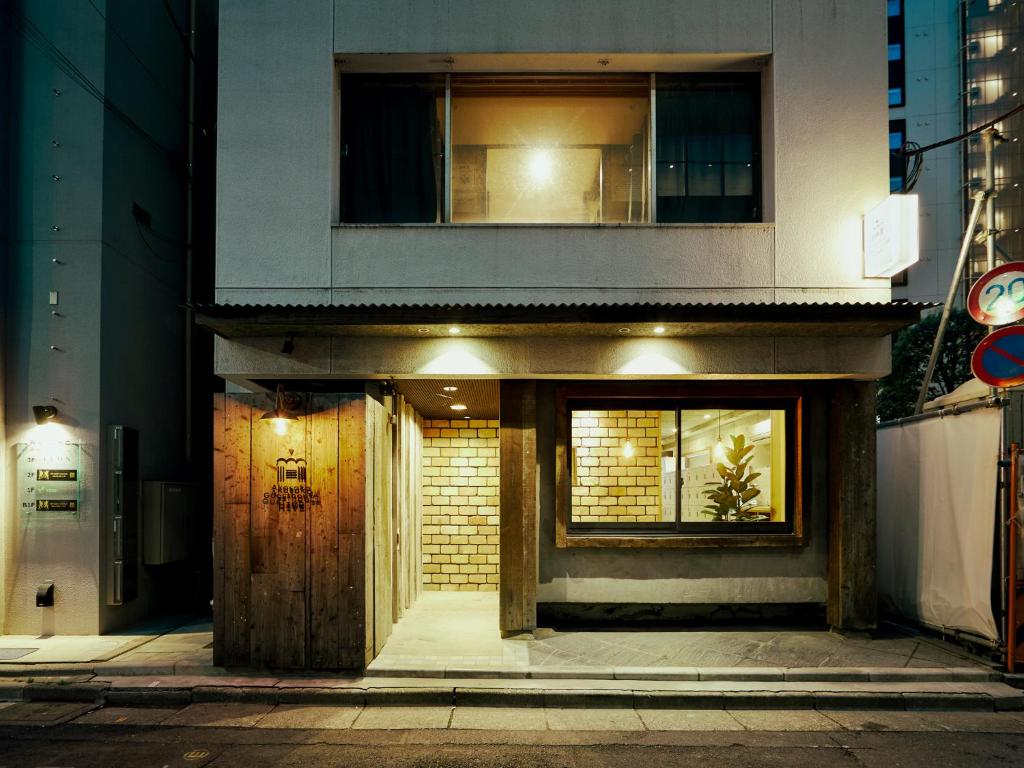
point(756, 76)
point(678, 534)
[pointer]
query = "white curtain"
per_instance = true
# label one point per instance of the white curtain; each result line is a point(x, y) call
point(936, 519)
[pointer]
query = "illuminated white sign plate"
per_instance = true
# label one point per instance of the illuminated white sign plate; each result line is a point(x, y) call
point(891, 236)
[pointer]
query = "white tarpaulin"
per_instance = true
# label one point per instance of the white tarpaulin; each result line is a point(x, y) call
point(936, 519)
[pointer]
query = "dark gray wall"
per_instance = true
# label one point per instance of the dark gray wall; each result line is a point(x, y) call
point(694, 576)
point(113, 352)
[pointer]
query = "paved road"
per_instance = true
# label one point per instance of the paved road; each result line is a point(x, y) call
point(102, 748)
point(253, 736)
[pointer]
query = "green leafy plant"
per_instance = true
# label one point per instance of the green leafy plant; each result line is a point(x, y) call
point(734, 497)
point(897, 392)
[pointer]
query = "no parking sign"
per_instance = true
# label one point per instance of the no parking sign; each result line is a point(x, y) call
point(999, 358)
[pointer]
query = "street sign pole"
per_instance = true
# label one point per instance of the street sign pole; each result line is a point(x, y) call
point(961, 263)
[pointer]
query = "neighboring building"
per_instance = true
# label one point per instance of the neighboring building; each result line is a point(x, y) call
point(96, 113)
point(955, 65)
point(519, 273)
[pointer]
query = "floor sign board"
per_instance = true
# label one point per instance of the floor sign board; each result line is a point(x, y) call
point(997, 298)
point(999, 359)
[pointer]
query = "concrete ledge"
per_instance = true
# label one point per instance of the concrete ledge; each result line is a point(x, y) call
point(932, 696)
point(415, 697)
point(711, 674)
point(90, 692)
point(231, 693)
point(499, 697)
point(354, 697)
point(857, 700)
point(148, 697)
point(958, 701)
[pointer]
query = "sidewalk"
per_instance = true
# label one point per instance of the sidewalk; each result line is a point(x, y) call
point(447, 651)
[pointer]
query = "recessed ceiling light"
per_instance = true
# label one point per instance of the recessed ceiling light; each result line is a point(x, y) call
point(454, 331)
point(465, 417)
point(457, 407)
point(659, 329)
point(450, 389)
point(624, 330)
point(422, 330)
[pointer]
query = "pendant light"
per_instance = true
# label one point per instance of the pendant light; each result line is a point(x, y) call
point(719, 445)
point(280, 417)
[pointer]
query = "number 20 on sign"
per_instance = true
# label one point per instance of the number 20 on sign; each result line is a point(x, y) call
point(998, 296)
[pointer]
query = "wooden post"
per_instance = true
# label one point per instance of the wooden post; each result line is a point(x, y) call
point(517, 588)
point(852, 596)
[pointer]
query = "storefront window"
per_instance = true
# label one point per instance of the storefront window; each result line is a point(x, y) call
point(714, 467)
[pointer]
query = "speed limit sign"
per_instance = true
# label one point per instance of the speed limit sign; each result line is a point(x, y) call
point(998, 296)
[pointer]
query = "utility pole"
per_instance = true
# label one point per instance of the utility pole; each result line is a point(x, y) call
point(986, 195)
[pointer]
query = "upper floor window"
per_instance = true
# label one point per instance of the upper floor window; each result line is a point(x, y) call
point(550, 148)
point(392, 148)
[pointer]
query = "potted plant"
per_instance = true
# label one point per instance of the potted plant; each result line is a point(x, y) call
point(734, 497)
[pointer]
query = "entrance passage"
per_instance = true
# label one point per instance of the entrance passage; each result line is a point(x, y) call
point(455, 611)
point(460, 505)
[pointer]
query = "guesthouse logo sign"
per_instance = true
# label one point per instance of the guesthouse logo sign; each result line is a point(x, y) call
point(291, 492)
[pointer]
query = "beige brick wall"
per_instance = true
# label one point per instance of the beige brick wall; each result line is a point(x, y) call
point(460, 505)
point(608, 486)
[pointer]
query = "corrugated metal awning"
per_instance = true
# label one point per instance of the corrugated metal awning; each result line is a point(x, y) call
point(690, 319)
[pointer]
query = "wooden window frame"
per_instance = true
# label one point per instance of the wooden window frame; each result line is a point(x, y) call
point(683, 395)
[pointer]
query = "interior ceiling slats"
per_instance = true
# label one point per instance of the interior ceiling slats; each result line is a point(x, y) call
point(427, 396)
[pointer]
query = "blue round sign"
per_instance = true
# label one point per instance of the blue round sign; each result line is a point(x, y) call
point(999, 359)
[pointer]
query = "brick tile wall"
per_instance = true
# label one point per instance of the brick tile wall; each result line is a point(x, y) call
point(608, 486)
point(460, 505)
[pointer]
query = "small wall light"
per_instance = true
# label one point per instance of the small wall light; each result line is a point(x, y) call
point(659, 329)
point(627, 450)
point(44, 413)
point(454, 331)
point(280, 417)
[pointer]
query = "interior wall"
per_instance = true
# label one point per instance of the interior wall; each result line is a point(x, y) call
point(460, 509)
point(684, 576)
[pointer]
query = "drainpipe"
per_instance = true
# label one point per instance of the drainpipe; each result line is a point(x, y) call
point(189, 169)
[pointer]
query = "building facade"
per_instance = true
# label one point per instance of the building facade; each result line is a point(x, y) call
point(955, 65)
point(565, 300)
point(96, 342)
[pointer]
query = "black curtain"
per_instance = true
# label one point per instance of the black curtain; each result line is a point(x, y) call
point(708, 135)
point(389, 131)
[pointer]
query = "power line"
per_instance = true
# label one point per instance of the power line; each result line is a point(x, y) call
point(908, 152)
point(142, 64)
point(181, 32)
point(35, 36)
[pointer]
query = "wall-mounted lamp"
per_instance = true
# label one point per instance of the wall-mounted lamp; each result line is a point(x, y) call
point(44, 413)
point(280, 417)
point(289, 345)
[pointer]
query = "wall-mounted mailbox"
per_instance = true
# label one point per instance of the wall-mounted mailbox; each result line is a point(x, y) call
point(44, 595)
point(168, 510)
point(122, 513)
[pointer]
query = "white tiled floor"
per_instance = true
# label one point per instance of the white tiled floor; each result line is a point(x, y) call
point(451, 629)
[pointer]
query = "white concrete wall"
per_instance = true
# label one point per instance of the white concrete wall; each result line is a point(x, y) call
point(825, 145)
point(933, 112)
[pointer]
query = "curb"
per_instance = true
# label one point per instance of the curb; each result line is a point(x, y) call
point(625, 698)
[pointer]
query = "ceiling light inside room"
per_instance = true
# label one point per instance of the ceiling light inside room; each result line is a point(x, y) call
point(457, 407)
point(659, 329)
point(450, 389)
point(540, 166)
point(454, 330)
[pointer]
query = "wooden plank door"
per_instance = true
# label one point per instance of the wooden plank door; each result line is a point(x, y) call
point(379, 501)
